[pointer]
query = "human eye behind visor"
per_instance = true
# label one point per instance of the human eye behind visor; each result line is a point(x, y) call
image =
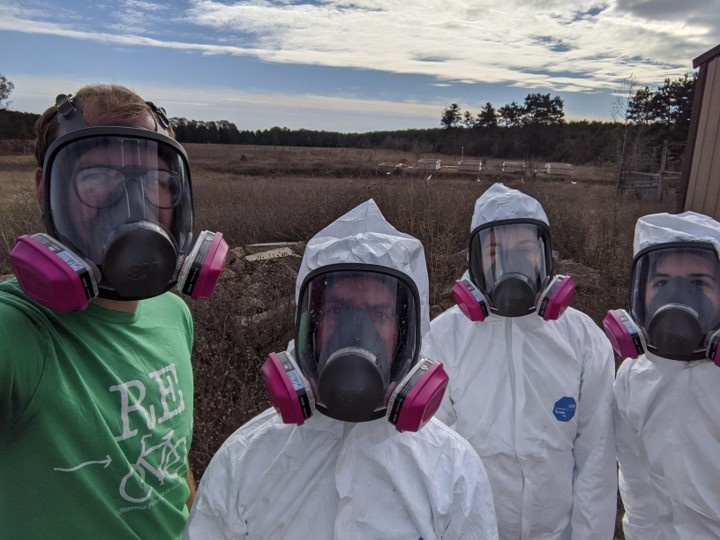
point(675, 298)
point(380, 315)
point(104, 186)
point(508, 248)
point(331, 302)
point(103, 182)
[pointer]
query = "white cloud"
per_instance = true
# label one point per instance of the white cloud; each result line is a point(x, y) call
point(138, 16)
point(482, 41)
point(578, 47)
point(562, 45)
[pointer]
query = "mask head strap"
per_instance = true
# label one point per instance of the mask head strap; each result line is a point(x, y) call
point(161, 120)
point(70, 114)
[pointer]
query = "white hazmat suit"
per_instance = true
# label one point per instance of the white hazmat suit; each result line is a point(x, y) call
point(667, 422)
point(534, 398)
point(329, 479)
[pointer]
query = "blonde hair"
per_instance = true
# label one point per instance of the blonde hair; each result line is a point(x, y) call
point(102, 104)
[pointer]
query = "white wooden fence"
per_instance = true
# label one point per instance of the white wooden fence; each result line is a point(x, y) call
point(513, 166)
point(559, 169)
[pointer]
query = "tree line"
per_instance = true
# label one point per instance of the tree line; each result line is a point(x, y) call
point(534, 129)
point(538, 109)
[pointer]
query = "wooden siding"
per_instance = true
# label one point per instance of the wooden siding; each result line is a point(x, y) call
point(703, 188)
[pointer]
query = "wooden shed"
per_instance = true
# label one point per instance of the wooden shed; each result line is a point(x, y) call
point(699, 188)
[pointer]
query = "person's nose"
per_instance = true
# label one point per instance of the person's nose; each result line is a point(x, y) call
point(135, 197)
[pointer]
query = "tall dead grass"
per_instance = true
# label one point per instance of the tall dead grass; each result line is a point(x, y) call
point(592, 231)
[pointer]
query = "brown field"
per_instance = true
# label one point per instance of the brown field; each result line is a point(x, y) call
point(270, 194)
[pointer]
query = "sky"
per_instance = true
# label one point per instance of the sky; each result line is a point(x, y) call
point(352, 66)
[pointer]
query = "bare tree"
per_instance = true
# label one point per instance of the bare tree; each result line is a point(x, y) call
point(6, 88)
point(620, 112)
point(623, 96)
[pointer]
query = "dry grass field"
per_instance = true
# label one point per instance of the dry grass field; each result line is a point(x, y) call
point(272, 194)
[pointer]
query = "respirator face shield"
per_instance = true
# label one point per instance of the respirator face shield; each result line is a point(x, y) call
point(358, 334)
point(121, 197)
point(510, 262)
point(675, 298)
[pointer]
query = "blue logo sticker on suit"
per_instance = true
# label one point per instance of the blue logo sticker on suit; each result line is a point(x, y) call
point(564, 409)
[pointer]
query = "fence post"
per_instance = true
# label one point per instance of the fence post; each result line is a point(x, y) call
point(661, 174)
point(620, 175)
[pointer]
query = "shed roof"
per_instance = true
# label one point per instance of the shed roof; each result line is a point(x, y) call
point(706, 56)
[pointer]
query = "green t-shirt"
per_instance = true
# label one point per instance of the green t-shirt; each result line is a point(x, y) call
point(95, 419)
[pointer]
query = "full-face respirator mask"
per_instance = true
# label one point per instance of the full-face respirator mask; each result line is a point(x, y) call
point(119, 214)
point(357, 346)
point(511, 273)
point(674, 305)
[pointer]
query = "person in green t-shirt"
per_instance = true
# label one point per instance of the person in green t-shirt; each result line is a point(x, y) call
point(96, 389)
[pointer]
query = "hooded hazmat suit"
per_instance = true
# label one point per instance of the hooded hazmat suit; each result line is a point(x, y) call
point(534, 398)
point(667, 421)
point(332, 479)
